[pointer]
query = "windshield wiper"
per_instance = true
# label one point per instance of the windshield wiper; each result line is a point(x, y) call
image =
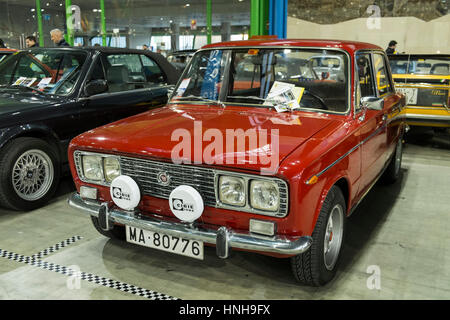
point(203, 99)
point(247, 97)
point(27, 88)
point(272, 101)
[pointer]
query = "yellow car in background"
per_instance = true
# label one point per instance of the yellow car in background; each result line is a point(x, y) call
point(425, 80)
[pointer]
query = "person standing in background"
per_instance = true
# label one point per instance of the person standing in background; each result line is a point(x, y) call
point(57, 37)
point(30, 41)
point(391, 48)
point(2, 44)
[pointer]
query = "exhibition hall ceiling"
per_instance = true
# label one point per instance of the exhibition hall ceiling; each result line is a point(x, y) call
point(335, 11)
point(143, 13)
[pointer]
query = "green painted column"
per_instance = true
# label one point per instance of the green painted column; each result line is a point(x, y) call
point(208, 21)
point(39, 21)
point(69, 23)
point(102, 8)
point(259, 17)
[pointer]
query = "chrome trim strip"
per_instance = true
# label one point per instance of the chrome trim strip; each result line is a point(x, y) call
point(441, 107)
point(410, 116)
point(421, 86)
point(338, 160)
point(248, 241)
point(348, 152)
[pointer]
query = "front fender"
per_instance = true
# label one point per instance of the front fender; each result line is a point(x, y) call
point(30, 130)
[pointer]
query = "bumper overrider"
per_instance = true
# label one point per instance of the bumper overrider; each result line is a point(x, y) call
point(223, 238)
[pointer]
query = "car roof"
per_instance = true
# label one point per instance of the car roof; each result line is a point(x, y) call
point(171, 71)
point(95, 48)
point(350, 46)
point(183, 51)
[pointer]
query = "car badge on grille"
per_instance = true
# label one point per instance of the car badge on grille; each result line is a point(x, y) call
point(163, 178)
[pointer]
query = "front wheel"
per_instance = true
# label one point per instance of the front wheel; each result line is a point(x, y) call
point(318, 265)
point(29, 173)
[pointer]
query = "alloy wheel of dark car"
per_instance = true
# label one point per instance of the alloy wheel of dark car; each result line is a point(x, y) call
point(318, 265)
point(29, 173)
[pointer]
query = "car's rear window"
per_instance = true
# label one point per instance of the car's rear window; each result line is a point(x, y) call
point(432, 65)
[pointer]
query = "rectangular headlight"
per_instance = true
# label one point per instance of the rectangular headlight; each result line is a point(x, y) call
point(264, 195)
point(92, 167)
point(111, 168)
point(232, 190)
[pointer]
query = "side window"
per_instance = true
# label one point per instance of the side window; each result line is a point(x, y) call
point(7, 72)
point(124, 72)
point(364, 75)
point(97, 71)
point(383, 85)
point(152, 71)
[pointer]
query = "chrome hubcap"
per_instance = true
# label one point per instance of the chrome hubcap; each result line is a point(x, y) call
point(32, 175)
point(333, 237)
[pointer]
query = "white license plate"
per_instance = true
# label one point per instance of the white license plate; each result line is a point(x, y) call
point(410, 93)
point(164, 242)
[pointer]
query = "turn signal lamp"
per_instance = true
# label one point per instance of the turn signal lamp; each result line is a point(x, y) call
point(266, 228)
point(313, 180)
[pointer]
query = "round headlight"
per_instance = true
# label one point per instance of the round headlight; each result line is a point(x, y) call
point(232, 190)
point(264, 195)
point(111, 168)
point(92, 167)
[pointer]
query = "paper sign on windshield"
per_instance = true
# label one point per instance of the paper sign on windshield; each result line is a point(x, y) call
point(44, 82)
point(284, 96)
point(182, 87)
point(24, 81)
point(19, 81)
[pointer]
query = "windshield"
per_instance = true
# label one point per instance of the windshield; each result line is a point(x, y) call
point(432, 65)
point(47, 71)
point(267, 78)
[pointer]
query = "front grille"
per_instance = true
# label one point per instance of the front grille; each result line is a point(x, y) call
point(145, 173)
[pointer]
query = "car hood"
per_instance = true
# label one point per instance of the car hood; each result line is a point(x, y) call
point(161, 133)
point(12, 102)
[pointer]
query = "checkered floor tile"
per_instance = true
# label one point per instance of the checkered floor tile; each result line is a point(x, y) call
point(110, 283)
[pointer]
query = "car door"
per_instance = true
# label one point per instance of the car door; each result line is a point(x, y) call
point(372, 123)
point(392, 103)
point(130, 89)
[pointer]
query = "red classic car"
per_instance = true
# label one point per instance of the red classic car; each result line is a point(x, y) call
point(254, 151)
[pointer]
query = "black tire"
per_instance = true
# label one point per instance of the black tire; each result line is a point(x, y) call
point(118, 232)
point(45, 156)
point(393, 170)
point(309, 268)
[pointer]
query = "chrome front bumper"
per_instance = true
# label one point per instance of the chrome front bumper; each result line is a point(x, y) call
point(223, 238)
